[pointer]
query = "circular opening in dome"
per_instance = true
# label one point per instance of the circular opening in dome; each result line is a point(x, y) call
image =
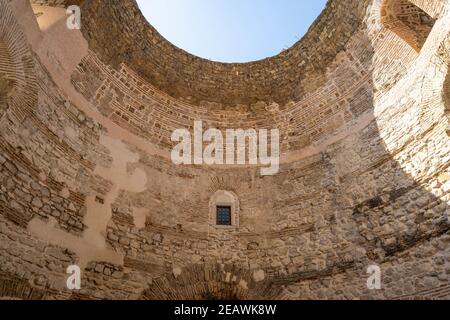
point(232, 30)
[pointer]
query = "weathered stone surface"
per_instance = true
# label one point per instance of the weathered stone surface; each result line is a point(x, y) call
point(362, 107)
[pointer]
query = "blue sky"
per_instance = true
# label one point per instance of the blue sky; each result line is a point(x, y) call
point(232, 30)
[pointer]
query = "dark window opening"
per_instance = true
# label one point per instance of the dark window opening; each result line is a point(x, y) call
point(223, 215)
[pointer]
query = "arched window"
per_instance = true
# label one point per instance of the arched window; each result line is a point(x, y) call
point(408, 21)
point(224, 210)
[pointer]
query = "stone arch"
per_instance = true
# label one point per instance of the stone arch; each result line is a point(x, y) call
point(18, 86)
point(212, 282)
point(408, 21)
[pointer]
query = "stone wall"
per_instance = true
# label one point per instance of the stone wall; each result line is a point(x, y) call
point(364, 178)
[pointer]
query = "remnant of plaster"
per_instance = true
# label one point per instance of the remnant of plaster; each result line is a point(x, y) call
point(81, 246)
point(92, 246)
point(98, 214)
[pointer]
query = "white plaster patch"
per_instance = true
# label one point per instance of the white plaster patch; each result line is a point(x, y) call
point(92, 246)
point(98, 214)
point(80, 246)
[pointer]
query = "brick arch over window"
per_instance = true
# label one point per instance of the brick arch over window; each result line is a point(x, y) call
point(408, 21)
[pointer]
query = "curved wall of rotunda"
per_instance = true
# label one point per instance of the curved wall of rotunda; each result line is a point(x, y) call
point(86, 118)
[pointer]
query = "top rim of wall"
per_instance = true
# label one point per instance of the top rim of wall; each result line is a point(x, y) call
point(231, 58)
point(283, 78)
